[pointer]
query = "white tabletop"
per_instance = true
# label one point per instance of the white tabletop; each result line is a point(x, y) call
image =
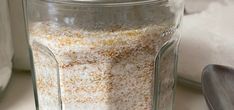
point(19, 95)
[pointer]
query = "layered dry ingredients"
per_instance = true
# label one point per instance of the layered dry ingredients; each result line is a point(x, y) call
point(95, 70)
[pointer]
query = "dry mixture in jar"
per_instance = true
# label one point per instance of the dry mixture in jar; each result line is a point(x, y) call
point(96, 70)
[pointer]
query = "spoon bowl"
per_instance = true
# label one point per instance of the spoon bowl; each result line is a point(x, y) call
point(218, 87)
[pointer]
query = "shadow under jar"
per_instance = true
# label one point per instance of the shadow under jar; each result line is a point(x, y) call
point(104, 55)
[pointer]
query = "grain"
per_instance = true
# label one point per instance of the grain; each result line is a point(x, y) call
point(98, 70)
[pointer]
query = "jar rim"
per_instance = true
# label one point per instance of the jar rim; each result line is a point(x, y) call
point(104, 3)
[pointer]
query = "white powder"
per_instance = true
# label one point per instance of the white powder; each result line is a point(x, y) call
point(99, 70)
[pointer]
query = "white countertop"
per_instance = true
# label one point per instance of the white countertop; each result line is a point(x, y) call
point(19, 95)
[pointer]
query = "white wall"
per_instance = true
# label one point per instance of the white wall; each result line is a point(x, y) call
point(21, 57)
point(6, 49)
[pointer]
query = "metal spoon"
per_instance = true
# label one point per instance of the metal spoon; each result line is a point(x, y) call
point(218, 87)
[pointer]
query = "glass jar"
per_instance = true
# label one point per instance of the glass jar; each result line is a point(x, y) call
point(6, 48)
point(104, 55)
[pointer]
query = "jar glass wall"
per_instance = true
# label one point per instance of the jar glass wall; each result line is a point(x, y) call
point(104, 55)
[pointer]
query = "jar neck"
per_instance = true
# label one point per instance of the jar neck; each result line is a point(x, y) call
point(102, 3)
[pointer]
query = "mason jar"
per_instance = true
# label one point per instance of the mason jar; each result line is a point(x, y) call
point(104, 54)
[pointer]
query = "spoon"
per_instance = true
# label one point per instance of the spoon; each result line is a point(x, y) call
point(218, 87)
